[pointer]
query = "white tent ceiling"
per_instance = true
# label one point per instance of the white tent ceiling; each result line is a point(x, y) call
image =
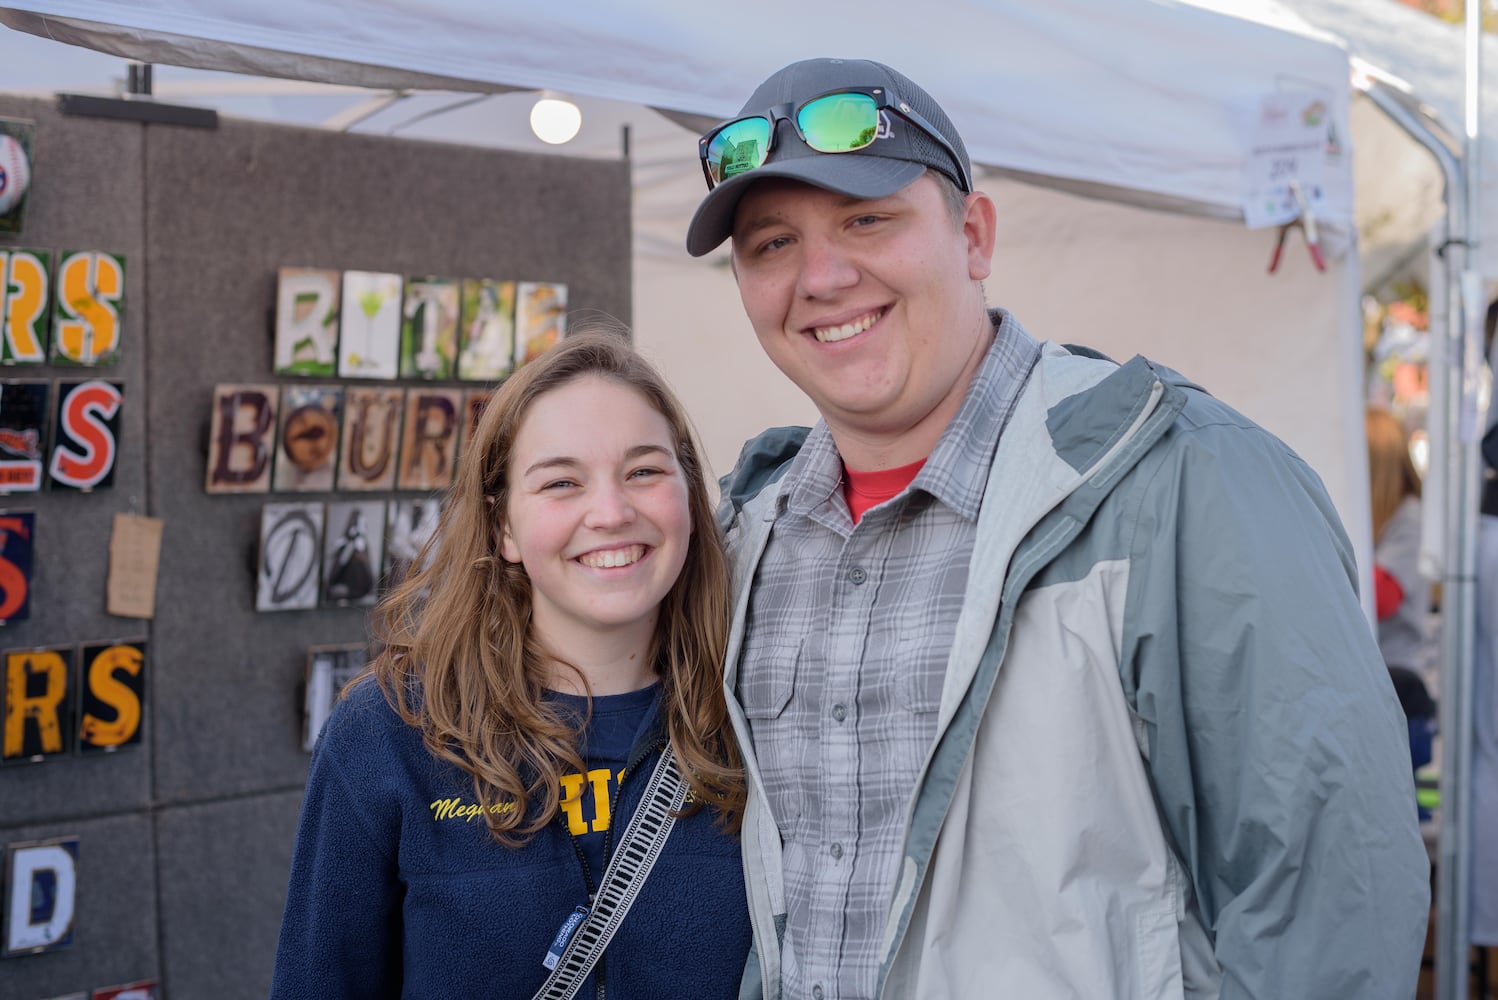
point(1146, 102)
point(1155, 99)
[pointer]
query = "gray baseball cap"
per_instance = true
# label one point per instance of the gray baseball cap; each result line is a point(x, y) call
point(898, 155)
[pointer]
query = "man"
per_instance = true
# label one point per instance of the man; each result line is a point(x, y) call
point(1052, 676)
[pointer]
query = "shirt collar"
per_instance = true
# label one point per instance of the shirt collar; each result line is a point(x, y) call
point(956, 472)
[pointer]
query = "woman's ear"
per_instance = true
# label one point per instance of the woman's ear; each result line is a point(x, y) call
point(508, 550)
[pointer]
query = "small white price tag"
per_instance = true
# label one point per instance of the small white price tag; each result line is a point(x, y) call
point(1289, 145)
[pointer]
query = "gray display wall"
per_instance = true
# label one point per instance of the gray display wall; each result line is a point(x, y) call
point(185, 841)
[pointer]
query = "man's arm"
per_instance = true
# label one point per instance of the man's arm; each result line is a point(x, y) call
point(1277, 748)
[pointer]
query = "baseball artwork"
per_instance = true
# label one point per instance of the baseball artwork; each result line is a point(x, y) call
point(15, 172)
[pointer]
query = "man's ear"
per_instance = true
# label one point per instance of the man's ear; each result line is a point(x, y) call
point(980, 226)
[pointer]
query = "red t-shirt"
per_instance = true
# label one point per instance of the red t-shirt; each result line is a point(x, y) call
point(864, 490)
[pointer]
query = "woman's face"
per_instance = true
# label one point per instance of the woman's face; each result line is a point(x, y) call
point(597, 512)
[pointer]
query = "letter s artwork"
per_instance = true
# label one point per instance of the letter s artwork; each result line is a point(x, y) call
point(87, 444)
point(17, 534)
point(113, 696)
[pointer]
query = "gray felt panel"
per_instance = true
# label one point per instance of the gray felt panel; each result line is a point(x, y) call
point(205, 219)
point(223, 892)
point(114, 923)
point(86, 195)
point(225, 210)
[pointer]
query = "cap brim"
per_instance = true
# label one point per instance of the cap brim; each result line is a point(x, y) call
point(857, 175)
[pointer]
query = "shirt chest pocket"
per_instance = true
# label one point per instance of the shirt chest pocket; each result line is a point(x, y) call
point(767, 678)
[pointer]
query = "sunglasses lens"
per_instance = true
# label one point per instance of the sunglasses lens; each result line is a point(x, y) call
point(839, 123)
point(738, 146)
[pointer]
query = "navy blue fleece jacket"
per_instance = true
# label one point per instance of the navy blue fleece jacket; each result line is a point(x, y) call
point(398, 890)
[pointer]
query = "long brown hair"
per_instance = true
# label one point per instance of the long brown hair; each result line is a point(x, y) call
point(461, 662)
point(1391, 471)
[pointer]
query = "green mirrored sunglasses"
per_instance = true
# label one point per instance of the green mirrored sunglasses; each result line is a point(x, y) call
point(840, 122)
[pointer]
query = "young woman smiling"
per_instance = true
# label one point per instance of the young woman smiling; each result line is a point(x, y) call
point(467, 794)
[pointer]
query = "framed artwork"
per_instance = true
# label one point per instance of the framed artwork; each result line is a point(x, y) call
point(241, 438)
point(290, 572)
point(371, 437)
point(85, 442)
point(488, 330)
point(307, 310)
point(410, 525)
point(329, 668)
point(17, 537)
point(112, 697)
point(17, 154)
point(369, 327)
point(429, 328)
point(25, 298)
point(474, 401)
point(23, 435)
point(41, 888)
point(88, 311)
point(37, 703)
point(429, 441)
point(540, 318)
point(307, 440)
point(352, 550)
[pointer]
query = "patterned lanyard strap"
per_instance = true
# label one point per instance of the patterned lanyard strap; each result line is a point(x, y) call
point(644, 839)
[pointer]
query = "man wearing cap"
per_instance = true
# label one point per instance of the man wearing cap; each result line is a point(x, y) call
point(1051, 676)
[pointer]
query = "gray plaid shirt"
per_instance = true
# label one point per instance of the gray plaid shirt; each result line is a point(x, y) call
point(846, 649)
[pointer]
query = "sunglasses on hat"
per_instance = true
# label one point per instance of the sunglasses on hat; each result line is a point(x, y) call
point(843, 121)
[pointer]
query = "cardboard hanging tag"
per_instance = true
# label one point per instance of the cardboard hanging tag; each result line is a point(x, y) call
point(134, 556)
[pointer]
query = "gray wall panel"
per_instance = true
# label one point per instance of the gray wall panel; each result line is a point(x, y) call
point(86, 195)
point(225, 210)
point(114, 925)
point(205, 219)
point(223, 893)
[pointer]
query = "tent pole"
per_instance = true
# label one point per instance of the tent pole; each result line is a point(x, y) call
point(1466, 415)
point(1455, 352)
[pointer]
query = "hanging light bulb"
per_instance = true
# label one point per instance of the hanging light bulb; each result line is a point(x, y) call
point(555, 119)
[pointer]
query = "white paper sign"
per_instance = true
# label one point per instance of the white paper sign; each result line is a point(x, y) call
point(1289, 145)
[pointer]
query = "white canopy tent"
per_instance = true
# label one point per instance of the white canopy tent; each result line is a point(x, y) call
point(1088, 115)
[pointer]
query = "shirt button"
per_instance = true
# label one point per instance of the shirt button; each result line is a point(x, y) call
point(857, 575)
point(837, 850)
point(839, 712)
point(816, 992)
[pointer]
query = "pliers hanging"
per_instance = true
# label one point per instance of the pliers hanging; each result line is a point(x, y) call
point(1306, 222)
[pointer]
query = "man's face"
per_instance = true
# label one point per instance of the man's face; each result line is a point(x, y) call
point(872, 308)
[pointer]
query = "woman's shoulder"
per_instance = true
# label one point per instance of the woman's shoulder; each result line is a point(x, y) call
point(362, 715)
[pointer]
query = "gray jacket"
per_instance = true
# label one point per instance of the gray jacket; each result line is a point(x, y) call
point(1169, 761)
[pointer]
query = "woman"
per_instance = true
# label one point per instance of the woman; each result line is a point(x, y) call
point(1401, 593)
point(462, 807)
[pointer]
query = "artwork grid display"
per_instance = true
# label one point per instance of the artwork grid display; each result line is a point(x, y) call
point(241, 438)
point(429, 328)
point(540, 318)
point(487, 330)
point(23, 434)
point(25, 305)
point(307, 440)
point(329, 668)
point(308, 302)
point(290, 556)
point(353, 546)
point(369, 325)
point(429, 438)
point(89, 308)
